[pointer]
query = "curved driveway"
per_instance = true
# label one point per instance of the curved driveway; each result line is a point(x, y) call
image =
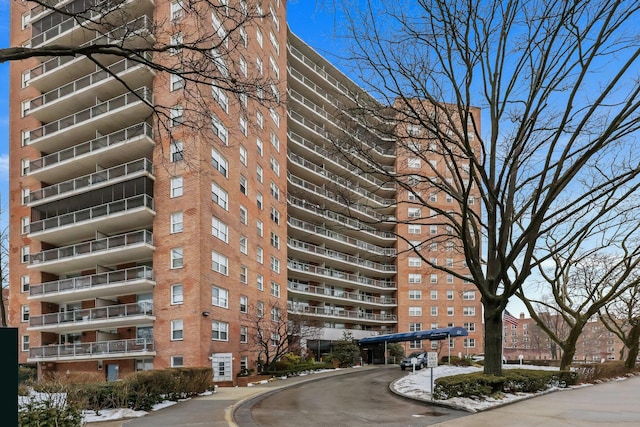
point(360, 399)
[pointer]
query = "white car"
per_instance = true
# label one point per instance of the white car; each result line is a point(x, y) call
point(480, 358)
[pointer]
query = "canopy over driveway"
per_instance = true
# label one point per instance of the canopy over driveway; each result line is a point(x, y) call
point(431, 334)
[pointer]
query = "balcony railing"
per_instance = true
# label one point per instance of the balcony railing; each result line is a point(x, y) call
point(334, 293)
point(317, 229)
point(92, 281)
point(91, 146)
point(84, 82)
point(344, 220)
point(92, 213)
point(92, 179)
point(340, 256)
point(93, 247)
point(80, 350)
point(141, 94)
point(339, 180)
point(90, 315)
point(353, 315)
point(389, 185)
point(340, 275)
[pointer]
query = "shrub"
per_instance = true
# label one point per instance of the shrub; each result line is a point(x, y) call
point(49, 410)
point(478, 384)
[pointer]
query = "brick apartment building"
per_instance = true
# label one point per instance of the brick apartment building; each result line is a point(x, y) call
point(125, 257)
point(526, 339)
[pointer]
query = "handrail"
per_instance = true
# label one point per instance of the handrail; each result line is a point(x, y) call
point(340, 294)
point(136, 345)
point(93, 314)
point(340, 275)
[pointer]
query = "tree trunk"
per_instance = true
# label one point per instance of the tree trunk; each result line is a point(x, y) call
point(492, 340)
point(569, 347)
point(634, 347)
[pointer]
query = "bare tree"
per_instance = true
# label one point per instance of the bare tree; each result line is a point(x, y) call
point(553, 121)
point(622, 317)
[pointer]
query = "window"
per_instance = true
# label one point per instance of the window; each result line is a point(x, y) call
point(274, 42)
point(433, 278)
point(414, 163)
point(219, 196)
point(244, 333)
point(433, 229)
point(219, 129)
point(243, 155)
point(177, 330)
point(275, 289)
point(433, 295)
point(415, 344)
point(24, 313)
point(468, 311)
point(243, 185)
point(176, 186)
point(219, 331)
point(244, 38)
point(434, 345)
point(469, 343)
point(219, 297)
point(433, 197)
point(434, 310)
point(243, 244)
point(260, 282)
point(449, 294)
point(450, 279)
point(242, 65)
point(415, 327)
point(177, 258)
point(274, 190)
point(25, 195)
point(219, 162)
point(25, 343)
point(415, 278)
point(244, 304)
point(219, 229)
point(220, 96)
point(24, 282)
point(259, 173)
point(449, 262)
point(243, 215)
point(414, 212)
point(243, 274)
point(415, 229)
point(176, 115)
point(415, 245)
point(274, 165)
point(24, 166)
point(26, 105)
point(415, 294)
point(275, 215)
point(24, 224)
point(469, 326)
point(176, 222)
point(275, 240)
point(177, 294)
point(259, 146)
point(175, 82)
point(177, 361)
point(413, 196)
point(259, 37)
point(259, 255)
point(468, 295)
point(177, 152)
point(219, 263)
point(275, 314)
point(259, 119)
point(259, 200)
point(275, 142)
point(415, 262)
point(275, 339)
point(177, 10)
point(450, 311)
point(415, 311)
point(449, 246)
point(260, 309)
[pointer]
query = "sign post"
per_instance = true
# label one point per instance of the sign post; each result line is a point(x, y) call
point(432, 362)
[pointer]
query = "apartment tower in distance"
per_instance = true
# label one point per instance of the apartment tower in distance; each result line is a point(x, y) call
point(138, 242)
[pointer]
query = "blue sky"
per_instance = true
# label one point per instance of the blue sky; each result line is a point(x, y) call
point(4, 113)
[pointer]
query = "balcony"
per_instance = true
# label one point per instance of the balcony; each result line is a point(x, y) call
point(82, 93)
point(141, 167)
point(326, 294)
point(134, 280)
point(59, 70)
point(321, 254)
point(335, 313)
point(77, 29)
point(120, 249)
point(106, 117)
point(338, 219)
point(106, 150)
point(133, 212)
point(313, 272)
point(116, 349)
point(109, 317)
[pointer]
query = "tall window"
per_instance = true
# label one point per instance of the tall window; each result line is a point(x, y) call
point(177, 294)
point(219, 331)
point(244, 304)
point(219, 263)
point(176, 115)
point(176, 222)
point(244, 333)
point(175, 82)
point(219, 162)
point(219, 229)
point(243, 244)
point(219, 196)
point(219, 129)
point(275, 289)
point(244, 274)
point(24, 313)
point(275, 264)
point(176, 186)
point(25, 343)
point(219, 297)
point(260, 282)
point(177, 330)
point(177, 258)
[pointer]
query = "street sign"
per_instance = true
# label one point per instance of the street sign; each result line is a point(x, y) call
point(432, 359)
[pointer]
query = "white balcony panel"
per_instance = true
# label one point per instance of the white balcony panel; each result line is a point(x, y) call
point(135, 280)
point(333, 296)
point(104, 118)
point(128, 144)
point(126, 248)
point(116, 349)
point(82, 93)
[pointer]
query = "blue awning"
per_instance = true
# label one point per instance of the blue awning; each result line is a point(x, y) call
point(431, 334)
